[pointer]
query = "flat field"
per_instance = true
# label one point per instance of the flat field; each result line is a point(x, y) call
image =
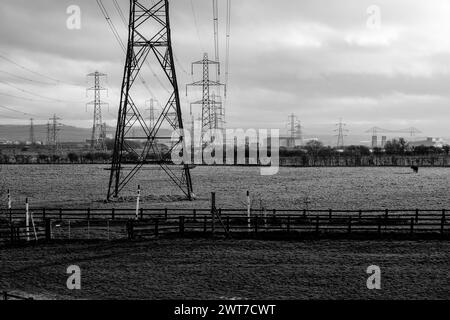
point(337, 188)
point(227, 269)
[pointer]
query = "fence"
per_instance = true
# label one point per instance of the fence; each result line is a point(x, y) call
point(116, 224)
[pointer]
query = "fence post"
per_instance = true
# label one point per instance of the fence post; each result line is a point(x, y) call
point(181, 225)
point(386, 214)
point(48, 229)
point(412, 225)
point(249, 210)
point(166, 213)
point(417, 215)
point(228, 224)
point(142, 213)
point(330, 214)
point(256, 224)
point(443, 221)
point(138, 201)
point(213, 209)
point(113, 213)
point(89, 213)
point(360, 214)
point(27, 219)
point(195, 214)
point(205, 221)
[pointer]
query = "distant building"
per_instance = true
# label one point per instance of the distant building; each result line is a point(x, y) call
point(429, 142)
point(289, 142)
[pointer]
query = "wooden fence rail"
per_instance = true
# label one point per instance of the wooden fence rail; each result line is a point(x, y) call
point(114, 224)
point(124, 214)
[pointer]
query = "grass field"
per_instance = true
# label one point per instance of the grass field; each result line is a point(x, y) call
point(227, 269)
point(337, 188)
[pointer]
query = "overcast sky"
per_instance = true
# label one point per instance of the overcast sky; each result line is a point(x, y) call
point(315, 58)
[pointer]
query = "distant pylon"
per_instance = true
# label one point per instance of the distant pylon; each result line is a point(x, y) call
point(295, 131)
point(341, 134)
point(32, 138)
point(208, 113)
point(152, 113)
point(54, 127)
point(218, 111)
point(98, 135)
point(48, 134)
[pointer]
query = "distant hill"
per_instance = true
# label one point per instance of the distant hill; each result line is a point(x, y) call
point(66, 134)
point(22, 133)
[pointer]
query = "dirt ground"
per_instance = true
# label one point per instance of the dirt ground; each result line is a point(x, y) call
point(230, 269)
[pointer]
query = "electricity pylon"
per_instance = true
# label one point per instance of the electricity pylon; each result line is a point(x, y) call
point(54, 127)
point(208, 102)
point(152, 113)
point(149, 34)
point(32, 137)
point(98, 135)
point(341, 134)
point(295, 131)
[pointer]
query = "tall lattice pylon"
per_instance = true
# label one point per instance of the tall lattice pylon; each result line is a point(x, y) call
point(341, 134)
point(54, 127)
point(32, 137)
point(98, 135)
point(208, 102)
point(152, 112)
point(295, 131)
point(149, 34)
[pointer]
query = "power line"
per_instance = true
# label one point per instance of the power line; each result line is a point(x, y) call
point(35, 72)
point(216, 36)
point(196, 25)
point(119, 10)
point(27, 79)
point(228, 36)
point(111, 25)
point(36, 94)
point(17, 111)
point(23, 98)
